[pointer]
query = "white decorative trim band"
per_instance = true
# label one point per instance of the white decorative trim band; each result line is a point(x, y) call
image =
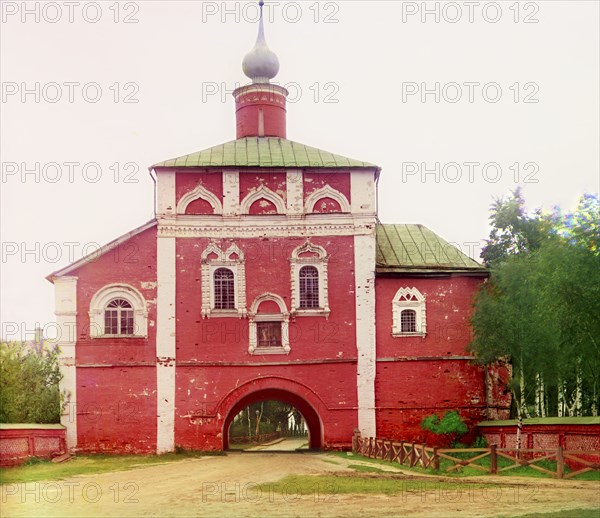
point(199, 193)
point(326, 192)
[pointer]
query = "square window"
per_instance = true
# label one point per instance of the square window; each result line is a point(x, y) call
point(269, 334)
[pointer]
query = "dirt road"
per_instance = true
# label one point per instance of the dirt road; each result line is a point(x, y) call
point(288, 444)
point(226, 486)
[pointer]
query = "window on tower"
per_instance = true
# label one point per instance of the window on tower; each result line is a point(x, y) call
point(309, 280)
point(268, 325)
point(268, 334)
point(223, 282)
point(309, 287)
point(224, 286)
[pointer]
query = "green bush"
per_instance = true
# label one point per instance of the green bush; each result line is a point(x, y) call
point(29, 392)
point(450, 426)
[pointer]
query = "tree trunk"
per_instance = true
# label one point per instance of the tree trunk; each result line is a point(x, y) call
point(519, 429)
point(249, 424)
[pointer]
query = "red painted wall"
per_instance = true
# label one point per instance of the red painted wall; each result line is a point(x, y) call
point(209, 179)
point(276, 181)
point(116, 378)
point(338, 180)
point(209, 351)
point(426, 375)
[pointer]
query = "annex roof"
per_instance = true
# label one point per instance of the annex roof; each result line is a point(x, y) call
point(264, 152)
point(403, 248)
point(103, 249)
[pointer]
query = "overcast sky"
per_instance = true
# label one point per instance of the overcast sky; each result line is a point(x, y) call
point(113, 88)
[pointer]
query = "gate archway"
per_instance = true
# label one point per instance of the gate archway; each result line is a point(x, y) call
point(286, 395)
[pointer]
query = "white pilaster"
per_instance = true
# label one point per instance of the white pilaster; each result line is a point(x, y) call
point(231, 193)
point(165, 193)
point(65, 303)
point(165, 344)
point(364, 268)
point(295, 192)
point(362, 190)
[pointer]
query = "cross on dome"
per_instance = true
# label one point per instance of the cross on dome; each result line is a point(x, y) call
point(261, 63)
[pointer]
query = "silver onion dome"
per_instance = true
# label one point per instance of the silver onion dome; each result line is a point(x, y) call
point(261, 63)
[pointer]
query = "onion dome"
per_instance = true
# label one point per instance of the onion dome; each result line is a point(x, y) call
point(261, 63)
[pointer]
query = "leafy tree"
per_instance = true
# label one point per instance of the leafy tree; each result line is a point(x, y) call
point(541, 306)
point(29, 392)
point(513, 230)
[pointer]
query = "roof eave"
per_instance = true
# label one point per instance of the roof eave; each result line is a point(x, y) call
point(414, 271)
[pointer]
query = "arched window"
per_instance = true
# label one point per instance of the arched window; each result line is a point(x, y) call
point(310, 295)
point(224, 286)
point(118, 310)
point(409, 317)
point(309, 287)
point(118, 318)
point(269, 323)
point(223, 282)
point(408, 321)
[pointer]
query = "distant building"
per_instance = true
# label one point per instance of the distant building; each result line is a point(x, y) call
point(266, 275)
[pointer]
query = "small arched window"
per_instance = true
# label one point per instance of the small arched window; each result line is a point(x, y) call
point(118, 318)
point(409, 313)
point(408, 321)
point(309, 287)
point(224, 286)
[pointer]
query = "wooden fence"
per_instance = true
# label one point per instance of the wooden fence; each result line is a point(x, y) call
point(19, 442)
point(420, 455)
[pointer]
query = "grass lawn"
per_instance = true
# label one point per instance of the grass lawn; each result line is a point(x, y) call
point(575, 513)
point(358, 484)
point(467, 471)
point(87, 464)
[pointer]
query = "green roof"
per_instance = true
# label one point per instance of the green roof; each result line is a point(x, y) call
point(415, 248)
point(263, 152)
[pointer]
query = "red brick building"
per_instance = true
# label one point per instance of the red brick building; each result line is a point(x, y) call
point(266, 275)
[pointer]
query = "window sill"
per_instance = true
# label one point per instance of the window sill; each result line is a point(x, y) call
point(113, 337)
point(316, 312)
point(269, 350)
point(404, 335)
point(225, 313)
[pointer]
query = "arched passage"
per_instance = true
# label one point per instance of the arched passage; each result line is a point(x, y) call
point(311, 417)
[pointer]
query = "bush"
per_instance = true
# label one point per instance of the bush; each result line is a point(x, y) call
point(449, 427)
point(29, 391)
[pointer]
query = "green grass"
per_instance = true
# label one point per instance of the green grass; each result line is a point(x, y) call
point(359, 484)
point(88, 464)
point(366, 469)
point(467, 471)
point(573, 513)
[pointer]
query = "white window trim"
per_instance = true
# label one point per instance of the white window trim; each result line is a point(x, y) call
point(418, 306)
point(283, 316)
point(200, 193)
point(320, 263)
point(259, 194)
point(237, 266)
point(326, 192)
point(118, 291)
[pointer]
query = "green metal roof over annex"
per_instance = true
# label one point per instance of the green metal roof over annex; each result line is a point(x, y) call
point(264, 152)
point(416, 249)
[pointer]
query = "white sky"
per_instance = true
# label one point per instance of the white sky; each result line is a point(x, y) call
point(368, 53)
